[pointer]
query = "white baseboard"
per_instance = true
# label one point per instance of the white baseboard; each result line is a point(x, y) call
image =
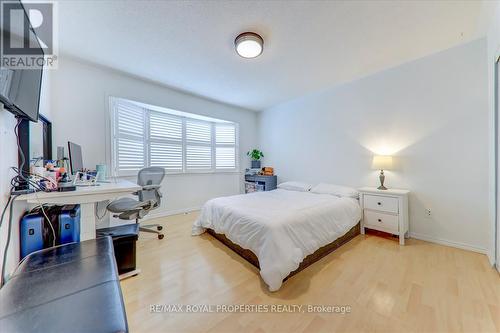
point(491, 257)
point(165, 213)
point(446, 242)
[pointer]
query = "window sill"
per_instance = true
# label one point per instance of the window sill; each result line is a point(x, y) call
point(191, 173)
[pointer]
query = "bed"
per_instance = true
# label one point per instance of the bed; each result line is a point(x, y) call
point(280, 231)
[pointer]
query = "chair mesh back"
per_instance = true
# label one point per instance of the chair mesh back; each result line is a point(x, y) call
point(150, 176)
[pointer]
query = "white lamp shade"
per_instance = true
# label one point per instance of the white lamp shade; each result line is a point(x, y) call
point(382, 162)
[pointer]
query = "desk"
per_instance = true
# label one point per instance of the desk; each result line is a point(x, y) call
point(86, 197)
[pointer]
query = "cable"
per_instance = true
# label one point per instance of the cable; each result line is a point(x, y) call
point(23, 158)
point(4, 210)
point(37, 185)
point(10, 202)
point(96, 211)
point(16, 180)
point(21, 154)
point(50, 224)
point(19, 177)
point(42, 209)
point(4, 261)
point(48, 220)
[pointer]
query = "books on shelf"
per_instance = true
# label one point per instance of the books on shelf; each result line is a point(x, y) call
point(265, 171)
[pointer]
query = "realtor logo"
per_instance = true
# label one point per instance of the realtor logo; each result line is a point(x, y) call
point(28, 38)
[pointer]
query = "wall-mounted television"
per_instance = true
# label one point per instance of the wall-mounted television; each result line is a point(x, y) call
point(20, 87)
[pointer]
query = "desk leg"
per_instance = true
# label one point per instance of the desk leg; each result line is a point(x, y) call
point(87, 221)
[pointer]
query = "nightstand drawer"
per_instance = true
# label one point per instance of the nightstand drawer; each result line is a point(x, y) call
point(384, 204)
point(386, 222)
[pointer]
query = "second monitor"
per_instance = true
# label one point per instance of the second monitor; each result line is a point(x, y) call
point(75, 157)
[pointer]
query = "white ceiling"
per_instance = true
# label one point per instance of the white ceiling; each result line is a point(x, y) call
point(309, 46)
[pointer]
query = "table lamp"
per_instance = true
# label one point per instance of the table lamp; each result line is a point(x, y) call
point(382, 163)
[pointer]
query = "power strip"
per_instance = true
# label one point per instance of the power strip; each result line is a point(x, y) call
point(19, 192)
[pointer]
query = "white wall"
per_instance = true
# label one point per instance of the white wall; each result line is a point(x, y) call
point(432, 114)
point(8, 158)
point(80, 93)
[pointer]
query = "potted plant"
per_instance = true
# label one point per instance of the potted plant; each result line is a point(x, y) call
point(255, 155)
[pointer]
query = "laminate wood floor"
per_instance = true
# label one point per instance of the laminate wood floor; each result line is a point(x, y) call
point(420, 287)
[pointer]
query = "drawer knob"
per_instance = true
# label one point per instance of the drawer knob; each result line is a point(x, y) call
point(379, 203)
point(380, 220)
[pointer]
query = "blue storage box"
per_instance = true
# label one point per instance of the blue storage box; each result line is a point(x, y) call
point(69, 224)
point(31, 233)
point(36, 234)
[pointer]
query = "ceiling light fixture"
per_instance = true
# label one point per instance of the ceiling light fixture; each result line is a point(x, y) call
point(249, 45)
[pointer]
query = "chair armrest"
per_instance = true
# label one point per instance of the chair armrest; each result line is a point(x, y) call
point(150, 187)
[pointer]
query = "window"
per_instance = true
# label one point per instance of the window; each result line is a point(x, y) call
point(225, 143)
point(145, 135)
point(198, 145)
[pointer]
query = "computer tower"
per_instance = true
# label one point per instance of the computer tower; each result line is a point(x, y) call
point(69, 224)
point(36, 232)
point(31, 233)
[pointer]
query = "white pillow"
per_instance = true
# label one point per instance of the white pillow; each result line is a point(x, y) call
point(337, 190)
point(295, 186)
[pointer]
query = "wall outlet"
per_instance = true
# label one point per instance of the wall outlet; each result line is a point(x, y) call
point(428, 212)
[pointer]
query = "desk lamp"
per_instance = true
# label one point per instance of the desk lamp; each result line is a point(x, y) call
point(382, 163)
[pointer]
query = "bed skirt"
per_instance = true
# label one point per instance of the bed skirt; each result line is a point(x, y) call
point(310, 259)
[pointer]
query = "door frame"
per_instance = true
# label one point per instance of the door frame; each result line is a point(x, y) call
point(496, 111)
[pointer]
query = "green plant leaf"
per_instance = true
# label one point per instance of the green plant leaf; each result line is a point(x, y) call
point(255, 154)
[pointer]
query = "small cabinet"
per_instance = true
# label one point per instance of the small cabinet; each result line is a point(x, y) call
point(385, 210)
point(256, 183)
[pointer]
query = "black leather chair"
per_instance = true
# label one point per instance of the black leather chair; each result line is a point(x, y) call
point(69, 288)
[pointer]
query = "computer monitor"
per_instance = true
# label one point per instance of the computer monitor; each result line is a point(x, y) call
point(75, 157)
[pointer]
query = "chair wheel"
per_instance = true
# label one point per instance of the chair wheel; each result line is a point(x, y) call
point(159, 228)
point(160, 236)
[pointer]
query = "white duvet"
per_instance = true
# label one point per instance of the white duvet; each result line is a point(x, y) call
point(280, 227)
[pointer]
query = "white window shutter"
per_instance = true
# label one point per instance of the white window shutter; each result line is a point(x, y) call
point(225, 158)
point(130, 120)
point(165, 135)
point(225, 134)
point(225, 142)
point(165, 126)
point(198, 131)
point(174, 140)
point(198, 145)
point(198, 157)
point(129, 140)
point(166, 155)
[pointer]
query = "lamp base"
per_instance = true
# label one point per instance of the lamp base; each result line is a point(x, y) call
point(382, 179)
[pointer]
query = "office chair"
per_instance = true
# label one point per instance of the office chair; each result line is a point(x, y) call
point(149, 198)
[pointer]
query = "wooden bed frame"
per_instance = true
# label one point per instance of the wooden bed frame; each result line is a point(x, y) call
point(310, 259)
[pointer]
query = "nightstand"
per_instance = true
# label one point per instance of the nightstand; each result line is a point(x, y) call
point(385, 210)
point(255, 183)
